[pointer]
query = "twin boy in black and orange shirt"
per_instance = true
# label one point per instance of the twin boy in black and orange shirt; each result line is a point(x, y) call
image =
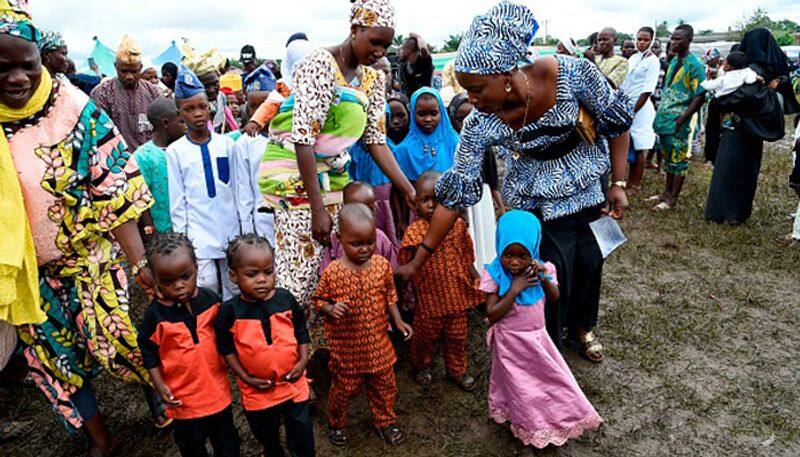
point(187, 337)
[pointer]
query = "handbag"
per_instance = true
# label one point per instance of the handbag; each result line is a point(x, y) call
point(586, 126)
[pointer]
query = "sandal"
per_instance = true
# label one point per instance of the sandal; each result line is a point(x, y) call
point(392, 435)
point(655, 198)
point(162, 422)
point(423, 377)
point(663, 206)
point(14, 429)
point(466, 382)
point(337, 437)
point(591, 348)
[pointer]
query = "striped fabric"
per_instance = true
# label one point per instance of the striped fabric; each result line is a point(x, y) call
point(557, 187)
point(497, 40)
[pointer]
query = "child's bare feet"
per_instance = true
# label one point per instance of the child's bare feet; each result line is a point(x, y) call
point(105, 449)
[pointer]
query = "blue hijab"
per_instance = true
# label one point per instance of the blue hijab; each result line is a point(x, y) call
point(517, 227)
point(415, 154)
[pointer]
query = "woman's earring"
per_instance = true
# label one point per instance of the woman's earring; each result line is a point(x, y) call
point(508, 87)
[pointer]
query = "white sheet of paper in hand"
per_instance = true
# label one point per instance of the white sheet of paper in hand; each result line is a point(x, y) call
point(608, 234)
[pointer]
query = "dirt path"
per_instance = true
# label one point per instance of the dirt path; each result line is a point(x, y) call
point(700, 323)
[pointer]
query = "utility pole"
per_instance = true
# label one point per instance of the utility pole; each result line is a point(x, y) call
point(546, 23)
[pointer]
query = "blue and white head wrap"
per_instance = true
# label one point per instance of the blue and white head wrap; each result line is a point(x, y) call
point(187, 84)
point(497, 41)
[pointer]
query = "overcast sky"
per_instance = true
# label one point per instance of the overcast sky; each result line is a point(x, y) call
point(229, 24)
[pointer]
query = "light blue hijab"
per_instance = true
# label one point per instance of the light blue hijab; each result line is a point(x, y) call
point(517, 227)
point(411, 152)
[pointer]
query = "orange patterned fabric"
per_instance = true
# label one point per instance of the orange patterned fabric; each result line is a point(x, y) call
point(443, 286)
point(381, 394)
point(359, 341)
point(428, 331)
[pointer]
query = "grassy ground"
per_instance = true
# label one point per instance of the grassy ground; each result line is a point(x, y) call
point(700, 324)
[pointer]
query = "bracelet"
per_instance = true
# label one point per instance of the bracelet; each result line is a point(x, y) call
point(427, 248)
point(621, 184)
point(138, 267)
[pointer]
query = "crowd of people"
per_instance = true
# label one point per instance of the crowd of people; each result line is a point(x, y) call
point(339, 204)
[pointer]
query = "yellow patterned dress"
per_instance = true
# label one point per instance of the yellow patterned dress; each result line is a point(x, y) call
point(78, 184)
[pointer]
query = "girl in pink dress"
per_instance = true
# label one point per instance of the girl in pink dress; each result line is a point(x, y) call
point(531, 386)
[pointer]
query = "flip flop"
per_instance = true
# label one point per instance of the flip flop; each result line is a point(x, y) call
point(663, 206)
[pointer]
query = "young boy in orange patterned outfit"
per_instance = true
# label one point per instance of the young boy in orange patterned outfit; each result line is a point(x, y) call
point(445, 290)
point(355, 293)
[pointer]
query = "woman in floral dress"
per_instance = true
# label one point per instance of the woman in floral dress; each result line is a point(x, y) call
point(81, 196)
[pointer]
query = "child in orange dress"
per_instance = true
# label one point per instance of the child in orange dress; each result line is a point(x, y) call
point(355, 293)
point(445, 289)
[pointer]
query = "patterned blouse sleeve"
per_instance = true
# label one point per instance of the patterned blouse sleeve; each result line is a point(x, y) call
point(375, 132)
point(314, 85)
point(611, 107)
point(391, 290)
point(117, 190)
point(322, 296)
point(462, 185)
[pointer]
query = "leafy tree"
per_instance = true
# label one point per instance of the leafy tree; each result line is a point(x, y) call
point(662, 29)
point(452, 42)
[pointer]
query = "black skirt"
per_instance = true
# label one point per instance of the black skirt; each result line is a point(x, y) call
point(735, 178)
point(569, 243)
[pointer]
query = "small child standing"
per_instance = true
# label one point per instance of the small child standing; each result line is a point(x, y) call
point(168, 126)
point(262, 335)
point(444, 289)
point(531, 386)
point(201, 191)
point(179, 350)
point(355, 293)
point(359, 192)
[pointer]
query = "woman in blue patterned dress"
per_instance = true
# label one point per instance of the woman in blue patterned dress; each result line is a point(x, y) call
point(532, 112)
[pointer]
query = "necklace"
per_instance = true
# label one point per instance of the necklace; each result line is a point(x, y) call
point(518, 133)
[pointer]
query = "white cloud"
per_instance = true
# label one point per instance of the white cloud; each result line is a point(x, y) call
point(230, 24)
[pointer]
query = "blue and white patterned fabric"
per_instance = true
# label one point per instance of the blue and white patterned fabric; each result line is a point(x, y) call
point(558, 187)
point(497, 40)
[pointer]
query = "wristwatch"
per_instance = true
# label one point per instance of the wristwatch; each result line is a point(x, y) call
point(138, 267)
point(621, 184)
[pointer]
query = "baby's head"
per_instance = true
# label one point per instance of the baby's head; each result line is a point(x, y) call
point(426, 194)
point(427, 113)
point(172, 259)
point(357, 232)
point(359, 192)
point(251, 266)
point(736, 60)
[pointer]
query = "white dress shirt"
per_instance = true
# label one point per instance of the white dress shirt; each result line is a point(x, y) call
point(202, 193)
point(249, 151)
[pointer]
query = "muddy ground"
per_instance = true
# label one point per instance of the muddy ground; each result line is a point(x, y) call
point(703, 354)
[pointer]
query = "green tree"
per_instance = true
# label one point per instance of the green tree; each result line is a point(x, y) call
point(662, 29)
point(452, 43)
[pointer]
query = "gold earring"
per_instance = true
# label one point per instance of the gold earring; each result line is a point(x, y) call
point(508, 87)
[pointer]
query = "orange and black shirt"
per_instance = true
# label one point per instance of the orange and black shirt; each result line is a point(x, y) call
point(182, 344)
point(266, 336)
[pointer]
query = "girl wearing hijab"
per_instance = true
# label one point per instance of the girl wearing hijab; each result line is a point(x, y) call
point(553, 167)
point(751, 115)
point(337, 98)
point(531, 387)
point(431, 141)
point(399, 118)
